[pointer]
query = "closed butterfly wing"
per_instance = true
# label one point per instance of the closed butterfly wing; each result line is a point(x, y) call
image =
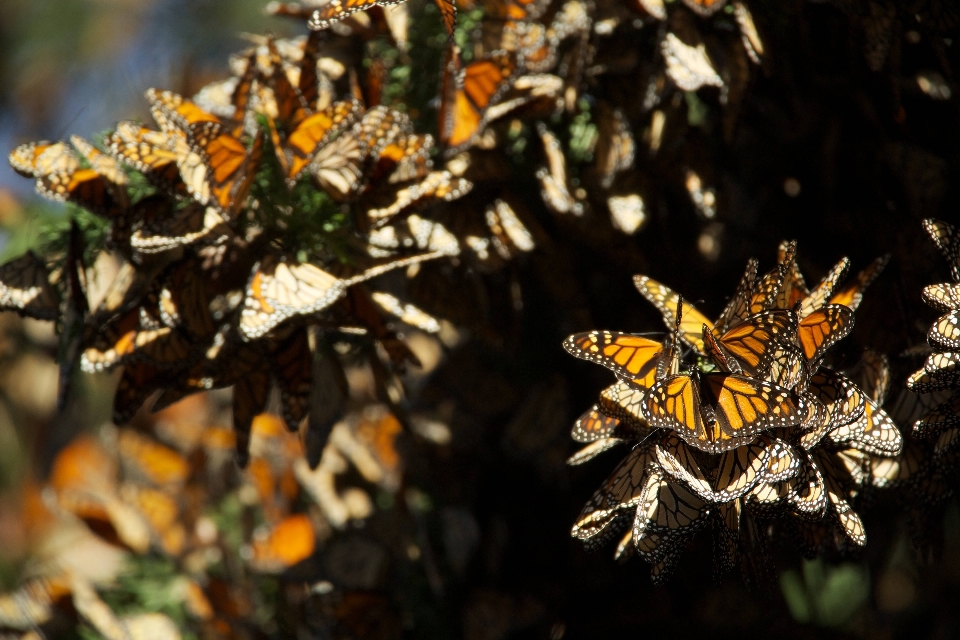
point(945, 334)
point(338, 167)
point(738, 307)
point(436, 186)
point(665, 299)
point(877, 434)
point(942, 297)
point(941, 417)
point(292, 365)
point(298, 149)
point(337, 10)
point(947, 238)
point(281, 289)
point(592, 450)
point(631, 357)
point(25, 288)
point(619, 495)
point(820, 294)
point(152, 153)
point(623, 401)
point(594, 425)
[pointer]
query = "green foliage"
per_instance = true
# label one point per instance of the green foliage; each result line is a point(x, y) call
point(825, 595)
point(583, 134)
point(149, 584)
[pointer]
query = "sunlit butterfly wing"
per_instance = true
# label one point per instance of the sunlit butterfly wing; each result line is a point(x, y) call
point(436, 186)
point(760, 342)
point(808, 495)
point(631, 357)
point(942, 297)
point(947, 238)
point(191, 224)
point(406, 312)
point(665, 300)
point(592, 450)
point(594, 425)
point(615, 148)
point(749, 35)
point(846, 519)
point(738, 307)
point(25, 288)
point(819, 295)
point(689, 67)
point(623, 402)
point(725, 412)
point(280, 289)
point(767, 289)
point(337, 10)
point(106, 167)
point(620, 493)
point(338, 166)
point(152, 153)
point(842, 400)
point(822, 329)
point(877, 434)
point(554, 187)
point(678, 461)
point(290, 541)
point(298, 149)
point(469, 93)
point(945, 333)
point(510, 235)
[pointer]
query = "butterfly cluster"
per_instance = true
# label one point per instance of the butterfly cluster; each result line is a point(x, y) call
point(737, 424)
point(268, 203)
point(173, 493)
point(937, 381)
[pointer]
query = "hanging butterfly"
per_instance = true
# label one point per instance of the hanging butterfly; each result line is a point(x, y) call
point(851, 295)
point(467, 93)
point(554, 185)
point(25, 288)
point(337, 10)
point(947, 238)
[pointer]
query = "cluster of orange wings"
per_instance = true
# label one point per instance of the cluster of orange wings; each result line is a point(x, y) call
point(215, 286)
point(173, 492)
point(738, 421)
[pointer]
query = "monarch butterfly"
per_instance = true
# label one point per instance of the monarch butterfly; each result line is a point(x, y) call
point(616, 147)
point(818, 297)
point(338, 167)
point(627, 213)
point(291, 361)
point(738, 307)
point(945, 415)
point(689, 67)
point(404, 160)
point(510, 234)
point(160, 511)
point(924, 381)
point(807, 494)
point(125, 340)
point(297, 130)
point(413, 232)
point(749, 35)
point(288, 542)
point(874, 432)
point(942, 297)
point(405, 312)
point(147, 461)
point(716, 412)
point(629, 356)
point(106, 167)
point(34, 601)
point(337, 10)
point(152, 153)
point(822, 329)
point(279, 289)
point(842, 400)
point(836, 478)
point(768, 289)
point(138, 382)
point(218, 169)
point(437, 185)
point(554, 187)
point(851, 295)
point(760, 347)
point(191, 224)
point(945, 334)
point(25, 288)
point(184, 301)
point(668, 509)
point(948, 241)
point(594, 425)
point(60, 177)
point(623, 402)
point(666, 300)
point(467, 93)
point(621, 492)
